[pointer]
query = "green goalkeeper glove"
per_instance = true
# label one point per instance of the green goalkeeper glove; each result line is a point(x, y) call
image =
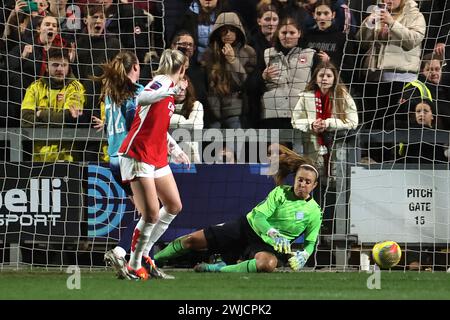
point(298, 260)
point(282, 244)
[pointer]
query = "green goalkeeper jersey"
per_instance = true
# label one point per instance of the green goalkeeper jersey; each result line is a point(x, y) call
point(291, 216)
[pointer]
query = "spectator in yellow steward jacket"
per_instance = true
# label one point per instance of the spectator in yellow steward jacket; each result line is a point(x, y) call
point(55, 99)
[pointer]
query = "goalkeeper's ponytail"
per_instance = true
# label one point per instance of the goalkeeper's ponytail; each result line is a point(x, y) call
point(288, 162)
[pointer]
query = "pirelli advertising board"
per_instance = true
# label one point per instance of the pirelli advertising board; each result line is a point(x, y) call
point(41, 200)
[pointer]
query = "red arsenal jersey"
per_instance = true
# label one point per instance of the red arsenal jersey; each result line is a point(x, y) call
point(147, 139)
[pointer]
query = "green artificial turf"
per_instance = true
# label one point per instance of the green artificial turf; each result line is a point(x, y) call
point(229, 286)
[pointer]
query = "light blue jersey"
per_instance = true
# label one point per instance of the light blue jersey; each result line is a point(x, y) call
point(118, 120)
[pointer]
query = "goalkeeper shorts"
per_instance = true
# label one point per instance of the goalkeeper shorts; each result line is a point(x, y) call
point(237, 239)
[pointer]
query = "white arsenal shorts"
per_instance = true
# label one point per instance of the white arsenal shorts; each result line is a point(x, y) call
point(130, 169)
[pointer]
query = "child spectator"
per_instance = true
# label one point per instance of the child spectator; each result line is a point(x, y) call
point(422, 118)
point(325, 105)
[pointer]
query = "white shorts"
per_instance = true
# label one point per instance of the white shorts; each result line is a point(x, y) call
point(131, 168)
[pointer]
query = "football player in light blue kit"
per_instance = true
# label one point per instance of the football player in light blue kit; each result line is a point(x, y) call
point(119, 91)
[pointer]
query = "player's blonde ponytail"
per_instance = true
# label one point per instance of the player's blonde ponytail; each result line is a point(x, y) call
point(171, 62)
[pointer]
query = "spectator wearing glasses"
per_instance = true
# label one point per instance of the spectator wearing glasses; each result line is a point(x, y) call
point(184, 41)
point(430, 85)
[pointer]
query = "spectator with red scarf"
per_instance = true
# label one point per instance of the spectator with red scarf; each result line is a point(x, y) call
point(325, 105)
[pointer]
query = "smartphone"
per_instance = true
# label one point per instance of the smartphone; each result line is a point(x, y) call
point(275, 60)
point(30, 7)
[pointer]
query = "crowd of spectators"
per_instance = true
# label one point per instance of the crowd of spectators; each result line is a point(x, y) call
point(252, 64)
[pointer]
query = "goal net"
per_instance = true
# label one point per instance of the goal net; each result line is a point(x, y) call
point(60, 205)
point(391, 175)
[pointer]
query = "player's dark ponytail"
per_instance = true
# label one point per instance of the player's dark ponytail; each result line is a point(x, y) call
point(115, 81)
point(288, 162)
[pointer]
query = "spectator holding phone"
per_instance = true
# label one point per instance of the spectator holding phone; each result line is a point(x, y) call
point(288, 70)
point(393, 35)
point(28, 61)
point(18, 20)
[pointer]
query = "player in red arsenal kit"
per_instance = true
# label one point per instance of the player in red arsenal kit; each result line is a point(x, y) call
point(146, 141)
point(143, 161)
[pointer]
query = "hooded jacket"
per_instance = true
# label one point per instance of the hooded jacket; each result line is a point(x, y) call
point(230, 105)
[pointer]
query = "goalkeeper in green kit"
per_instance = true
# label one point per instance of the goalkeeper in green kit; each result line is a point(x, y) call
point(266, 233)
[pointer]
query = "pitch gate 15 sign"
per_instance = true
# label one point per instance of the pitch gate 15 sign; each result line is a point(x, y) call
point(42, 199)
